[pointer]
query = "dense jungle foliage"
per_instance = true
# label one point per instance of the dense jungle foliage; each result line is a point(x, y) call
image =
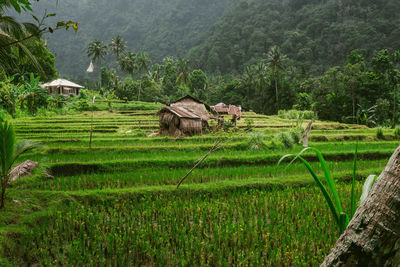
point(315, 34)
point(160, 27)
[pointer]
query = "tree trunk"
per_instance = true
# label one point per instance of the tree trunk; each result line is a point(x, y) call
point(3, 195)
point(372, 237)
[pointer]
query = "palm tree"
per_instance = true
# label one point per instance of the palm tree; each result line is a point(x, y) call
point(10, 150)
point(143, 62)
point(183, 74)
point(13, 37)
point(127, 63)
point(97, 50)
point(276, 61)
point(118, 46)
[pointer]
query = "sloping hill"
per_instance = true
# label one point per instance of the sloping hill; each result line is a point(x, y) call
point(314, 33)
point(159, 27)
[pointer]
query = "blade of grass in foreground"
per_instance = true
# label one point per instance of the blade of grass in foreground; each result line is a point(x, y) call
point(353, 197)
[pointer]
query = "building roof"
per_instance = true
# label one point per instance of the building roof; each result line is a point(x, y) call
point(188, 97)
point(62, 83)
point(228, 109)
point(181, 112)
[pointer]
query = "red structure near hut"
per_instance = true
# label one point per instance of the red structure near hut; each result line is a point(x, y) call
point(222, 109)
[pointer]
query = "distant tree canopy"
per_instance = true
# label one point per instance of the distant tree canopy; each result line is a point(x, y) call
point(315, 34)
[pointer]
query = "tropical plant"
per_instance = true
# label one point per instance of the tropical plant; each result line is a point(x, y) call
point(143, 62)
point(10, 150)
point(328, 187)
point(11, 34)
point(276, 60)
point(97, 50)
point(118, 46)
point(379, 133)
point(35, 95)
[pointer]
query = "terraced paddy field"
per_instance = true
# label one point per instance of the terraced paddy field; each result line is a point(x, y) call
point(116, 204)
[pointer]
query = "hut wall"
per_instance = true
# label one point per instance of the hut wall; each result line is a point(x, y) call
point(169, 124)
point(191, 126)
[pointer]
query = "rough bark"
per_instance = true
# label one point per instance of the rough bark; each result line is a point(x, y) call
point(372, 237)
point(306, 135)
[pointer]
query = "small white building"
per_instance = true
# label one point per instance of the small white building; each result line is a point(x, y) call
point(62, 87)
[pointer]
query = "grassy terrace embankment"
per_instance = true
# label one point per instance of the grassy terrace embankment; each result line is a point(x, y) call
point(117, 203)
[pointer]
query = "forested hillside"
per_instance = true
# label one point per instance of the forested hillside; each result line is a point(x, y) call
point(159, 27)
point(315, 34)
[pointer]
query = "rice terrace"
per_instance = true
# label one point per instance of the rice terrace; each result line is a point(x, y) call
point(199, 133)
point(117, 203)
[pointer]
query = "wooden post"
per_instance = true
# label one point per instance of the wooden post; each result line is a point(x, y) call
point(372, 237)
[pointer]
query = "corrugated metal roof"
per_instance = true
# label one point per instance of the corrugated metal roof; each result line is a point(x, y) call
point(228, 109)
point(182, 112)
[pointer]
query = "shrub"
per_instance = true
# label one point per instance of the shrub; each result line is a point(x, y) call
point(296, 134)
point(83, 105)
point(397, 132)
point(256, 141)
point(228, 125)
point(286, 139)
point(296, 114)
point(379, 133)
point(249, 124)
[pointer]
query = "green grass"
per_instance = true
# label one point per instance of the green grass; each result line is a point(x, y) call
point(117, 203)
point(243, 227)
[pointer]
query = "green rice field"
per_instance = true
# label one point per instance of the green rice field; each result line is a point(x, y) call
point(116, 203)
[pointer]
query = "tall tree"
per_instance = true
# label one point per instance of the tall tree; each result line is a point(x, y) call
point(11, 34)
point(183, 75)
point(276, 60)
point(118, 46)
point(97, 50)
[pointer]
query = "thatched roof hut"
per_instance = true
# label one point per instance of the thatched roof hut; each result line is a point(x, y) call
point(178, 121)
point(186, 116)
point(194, 105)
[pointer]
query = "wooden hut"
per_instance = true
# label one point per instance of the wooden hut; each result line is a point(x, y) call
point(186, 116)
point(223, 109)
point(62, 87)
point(178, 121)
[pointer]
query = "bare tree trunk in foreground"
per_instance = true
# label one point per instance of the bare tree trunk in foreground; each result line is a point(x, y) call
point(372, 237)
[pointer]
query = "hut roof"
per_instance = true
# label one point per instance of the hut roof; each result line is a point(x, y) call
point(227, 109)
point(181, 112)
point(188, 97)
point(193, 99)
point(62, 83)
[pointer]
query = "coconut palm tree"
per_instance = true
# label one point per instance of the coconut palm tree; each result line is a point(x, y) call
point(97, 50)
point(276, 61)
point(10, 150)
point(183, 74)
point(143, 63)
point(13, 37)
point(118, 46)
point(127, 63)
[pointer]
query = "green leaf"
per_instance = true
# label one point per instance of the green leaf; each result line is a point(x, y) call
point(367, 187)
point(353, 185)
point(329, 180)
point(16, 6)
point(323, 189)
point(60, 24)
